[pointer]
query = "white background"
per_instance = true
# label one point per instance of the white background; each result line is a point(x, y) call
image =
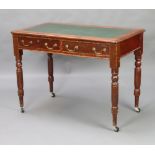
point(114, 4)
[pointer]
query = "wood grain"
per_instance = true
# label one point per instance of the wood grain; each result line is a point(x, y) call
point(50, 72)
point(82, 47)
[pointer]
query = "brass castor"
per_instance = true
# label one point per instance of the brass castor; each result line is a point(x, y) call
point(53, 94)
point(22, 110)
point(137, 109)
point(116, 129)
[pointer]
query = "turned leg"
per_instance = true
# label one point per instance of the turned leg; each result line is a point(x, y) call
point(137, 78)
point(19, 72)
point(50, 73)
point(114, 97)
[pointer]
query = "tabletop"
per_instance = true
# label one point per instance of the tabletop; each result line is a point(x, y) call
point(111, 34)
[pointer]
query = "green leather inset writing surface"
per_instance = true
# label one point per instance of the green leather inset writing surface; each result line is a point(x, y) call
point(79, 30)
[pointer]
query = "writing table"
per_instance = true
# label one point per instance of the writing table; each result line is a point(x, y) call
point(83, 41)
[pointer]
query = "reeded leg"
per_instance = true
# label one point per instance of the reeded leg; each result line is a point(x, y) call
point(137, 78)
point(19, 72)
point(50, 73)
point(114, 97)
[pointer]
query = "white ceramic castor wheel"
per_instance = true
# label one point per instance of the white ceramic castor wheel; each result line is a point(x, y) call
point(22, 110)
point(116, 129)
point(53, 94)
point(137, 109)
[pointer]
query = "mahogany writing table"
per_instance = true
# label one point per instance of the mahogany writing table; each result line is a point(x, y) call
point(83, 41)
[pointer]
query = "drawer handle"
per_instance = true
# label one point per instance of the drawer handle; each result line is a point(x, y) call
point(51, 48)
point(26, 45)
point(96, 53)
point(99, 53)
point(74, 50)
point(104, 49)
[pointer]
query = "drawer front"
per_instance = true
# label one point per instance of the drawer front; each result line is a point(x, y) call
point(28, 42)
point(50, 44)
point(68, 47)
point(39, 44)
point(86, 48)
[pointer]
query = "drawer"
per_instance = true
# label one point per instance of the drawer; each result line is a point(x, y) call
point(39, 44)
point(86, 48)
point(50, 44)
point(28, 42)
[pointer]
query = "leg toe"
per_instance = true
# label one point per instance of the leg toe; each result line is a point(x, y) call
point(22, 110)
point(116, 129)
point(53, 94)
point(137, 109)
